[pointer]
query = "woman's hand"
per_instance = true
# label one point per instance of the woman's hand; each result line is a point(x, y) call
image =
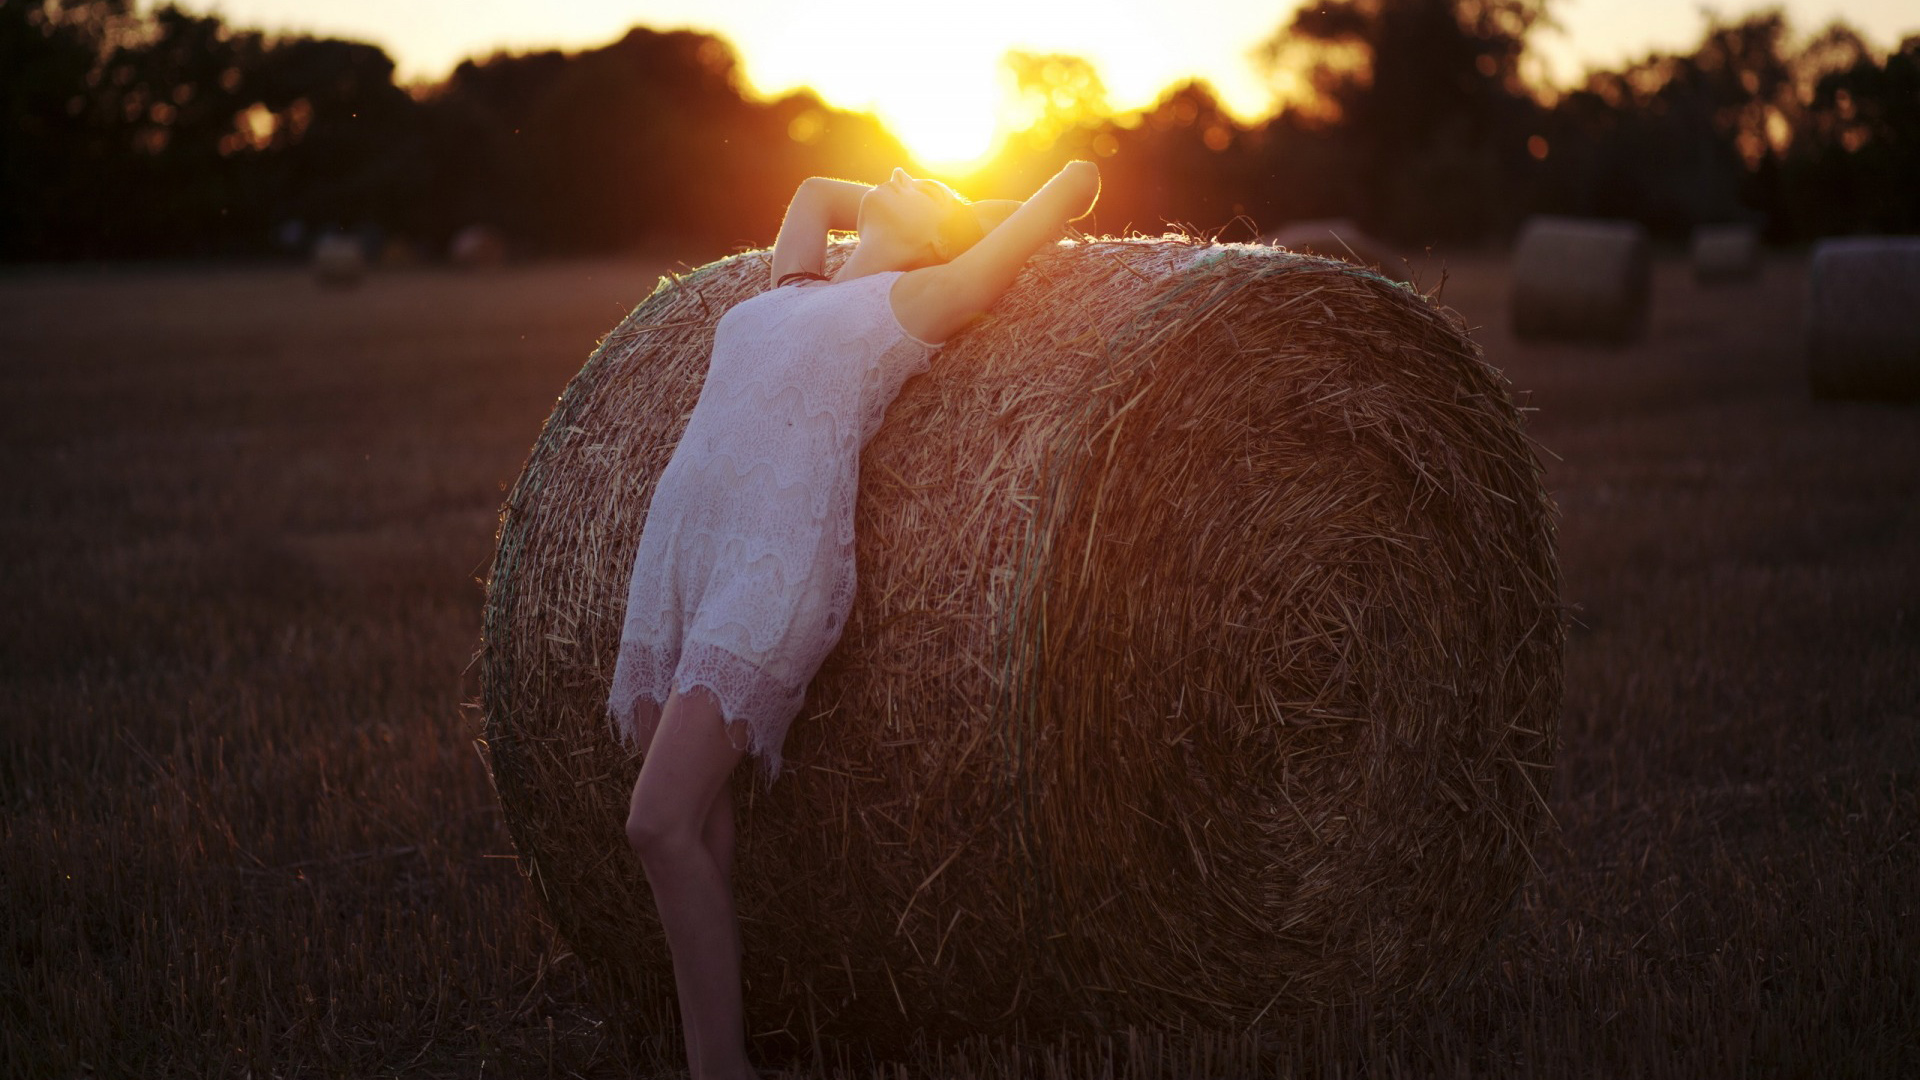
point(947, 297)
point(1086, 175)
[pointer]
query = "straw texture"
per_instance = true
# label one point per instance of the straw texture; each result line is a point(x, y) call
point(1581, 279)
point(1863, 338)
point(1206, 660)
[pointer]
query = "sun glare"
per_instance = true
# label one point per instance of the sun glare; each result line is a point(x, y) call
point(935, 90)
point(947, 131)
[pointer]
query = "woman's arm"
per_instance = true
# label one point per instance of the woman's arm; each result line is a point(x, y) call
point(818, 206)
point(947, 297)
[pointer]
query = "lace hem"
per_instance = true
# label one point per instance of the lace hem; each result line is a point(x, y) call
point(751, 702)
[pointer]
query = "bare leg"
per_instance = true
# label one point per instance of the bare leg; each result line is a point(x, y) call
point(672, 824)
point(717, 833)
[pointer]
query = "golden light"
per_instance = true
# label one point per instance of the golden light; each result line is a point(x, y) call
point(933, 88)
point(952, 126)
point(1140, 47)
point(933, 75)
point(946, 129)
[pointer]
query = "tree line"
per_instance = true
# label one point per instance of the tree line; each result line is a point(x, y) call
point(170, 134)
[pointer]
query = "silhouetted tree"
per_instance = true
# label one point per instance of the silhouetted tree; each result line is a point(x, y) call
point(58, 144)
point(647, 137)
point(175, 135)
point(1419, 108)
point(1180, 163)
point(1185, 162)
point(1673, 141)
point(1743, 128)
point(170, 133)
point(1854, 162)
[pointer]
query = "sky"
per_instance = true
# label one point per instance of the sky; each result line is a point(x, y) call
point(931, 70)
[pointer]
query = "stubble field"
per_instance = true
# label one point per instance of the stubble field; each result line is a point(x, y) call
point(245, 829)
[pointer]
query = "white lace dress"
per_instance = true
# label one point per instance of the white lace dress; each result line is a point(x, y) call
point(745, 571)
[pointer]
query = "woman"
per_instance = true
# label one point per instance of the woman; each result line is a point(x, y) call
point(745, 572)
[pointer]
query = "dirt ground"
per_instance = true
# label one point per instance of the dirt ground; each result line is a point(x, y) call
point(245, 829)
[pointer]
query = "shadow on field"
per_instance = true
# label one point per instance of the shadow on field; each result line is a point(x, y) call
point(245, 826)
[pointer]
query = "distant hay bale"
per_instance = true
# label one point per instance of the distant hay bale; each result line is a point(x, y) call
point(478, 247)
point(1863, 336)
point(338, 261)
point(1338, 238)
point(1725, 253)
point(1206, 660)
point(400, 253)
point(1580, 279)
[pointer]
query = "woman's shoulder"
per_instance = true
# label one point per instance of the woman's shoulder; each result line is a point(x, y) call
point(922, 305)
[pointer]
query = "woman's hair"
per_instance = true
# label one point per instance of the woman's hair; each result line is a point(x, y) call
point(961, 228)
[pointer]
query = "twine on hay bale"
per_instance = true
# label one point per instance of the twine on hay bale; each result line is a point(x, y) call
point(1723, 253)
point(1863, 339)
point(1580, 279)
point(1206, 660)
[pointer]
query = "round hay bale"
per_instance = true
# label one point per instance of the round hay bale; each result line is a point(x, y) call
point(1338, 238)
point(1581, 279)
point(478, 247)
point(338, 261)
point(1722, 253)
point(1206, 660)
point(1863, 338)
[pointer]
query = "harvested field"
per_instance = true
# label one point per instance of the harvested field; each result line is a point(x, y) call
point(245, 827)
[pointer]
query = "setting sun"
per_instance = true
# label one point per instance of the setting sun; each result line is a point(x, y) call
point(947, 126)
point(933, 74)
point(945, 133)
point(941, 94)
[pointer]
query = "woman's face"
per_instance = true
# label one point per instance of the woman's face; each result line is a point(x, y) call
point(907, 209)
